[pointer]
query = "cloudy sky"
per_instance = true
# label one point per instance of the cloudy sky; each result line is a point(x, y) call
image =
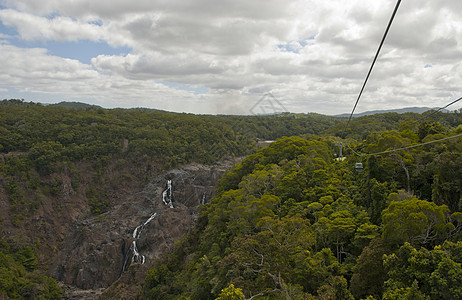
point(231, 56)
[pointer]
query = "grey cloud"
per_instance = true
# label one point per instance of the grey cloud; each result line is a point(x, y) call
point(279, 66)
point(216, 27)
point(230, 36)
point(446, 49)
point(258, 9)
point(32, 27)
point(155, 65)
point(231, 47)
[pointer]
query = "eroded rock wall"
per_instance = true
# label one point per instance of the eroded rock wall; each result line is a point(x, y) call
point(94, 250)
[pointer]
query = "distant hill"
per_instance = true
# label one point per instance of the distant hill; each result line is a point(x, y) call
point(76, 105)
point(417, 110)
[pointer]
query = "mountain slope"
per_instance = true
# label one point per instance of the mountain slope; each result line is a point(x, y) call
point(417, 110)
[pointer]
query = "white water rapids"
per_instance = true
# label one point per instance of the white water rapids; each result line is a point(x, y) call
point(136, 257)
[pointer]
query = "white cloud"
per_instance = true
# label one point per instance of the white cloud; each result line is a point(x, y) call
point(31, 27)
point(32, 71)
point(312, 54)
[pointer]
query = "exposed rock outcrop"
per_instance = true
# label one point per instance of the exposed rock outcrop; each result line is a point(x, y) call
point(93, 253)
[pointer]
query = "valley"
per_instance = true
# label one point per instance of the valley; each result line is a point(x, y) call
point(134, 204)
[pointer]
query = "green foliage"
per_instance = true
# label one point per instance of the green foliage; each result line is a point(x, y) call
point(45, 155)
point(19, 278)
point(447, 180)
point(98, 201)
point(27, 258)
point(287, 222)
point(274, 228)
point(360, 128)
point(423, 273)
point(408, 293)
point(231, 293)
point(53, 133)
point(370, 273)
point(427, 128)
point(415, 221)
point(53, 139)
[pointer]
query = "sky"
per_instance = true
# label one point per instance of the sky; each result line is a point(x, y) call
point(232, 56)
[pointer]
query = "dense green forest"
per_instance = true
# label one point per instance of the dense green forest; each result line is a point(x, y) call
point(19, 277)
point(103, 151)
point(172, 137)
point(289, 221)
point(37, 140)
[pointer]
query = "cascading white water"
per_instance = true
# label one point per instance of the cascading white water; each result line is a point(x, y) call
point(167, 195)
point(137, 231)
point(136, 257)
point(203, 199)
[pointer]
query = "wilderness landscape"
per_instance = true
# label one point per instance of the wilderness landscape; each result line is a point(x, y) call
point(206, 150)
point(148, 204)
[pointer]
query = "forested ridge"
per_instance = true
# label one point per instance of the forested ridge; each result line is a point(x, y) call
point(37, 140)
point(288, 221)
point(51, 156)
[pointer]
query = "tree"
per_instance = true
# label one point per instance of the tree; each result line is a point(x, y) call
point(408, 293)
point(446, 279)
point(378, 193)
point(425, 273)
point(447, 180)
point(265, 261)
point(418, 222)
point(336, 289)
point(45, 155)
point(231, 293)
point(365, 234)
point(370, 275)
point(426, 128)
point(341, 228)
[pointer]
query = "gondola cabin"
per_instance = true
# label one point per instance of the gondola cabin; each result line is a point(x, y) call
point(359, 167)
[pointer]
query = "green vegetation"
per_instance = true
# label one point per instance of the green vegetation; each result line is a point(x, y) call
point(49, 153)
point(49, 134)
point(19, 277)
point(360, 128)
point(37, 142)
point(290, 222)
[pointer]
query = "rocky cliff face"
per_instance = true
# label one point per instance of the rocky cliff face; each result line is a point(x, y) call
point(95, 249)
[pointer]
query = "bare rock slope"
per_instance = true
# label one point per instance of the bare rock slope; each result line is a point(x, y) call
point(99, 249)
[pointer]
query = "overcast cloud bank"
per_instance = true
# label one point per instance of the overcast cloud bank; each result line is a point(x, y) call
point(206, 56)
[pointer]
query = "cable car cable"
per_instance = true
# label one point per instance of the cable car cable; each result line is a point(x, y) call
point(434, 112)
point(408, 125)
point(414, 146)
point(372, 65)
point(404, 148)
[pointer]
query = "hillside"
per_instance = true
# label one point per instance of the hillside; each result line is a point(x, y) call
point(292, 223)
point(93, 198)
point(76, 105)
point(67, 176)
point(416, 110)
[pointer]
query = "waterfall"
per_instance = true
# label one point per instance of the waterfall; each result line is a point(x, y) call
point(137, 231)
point(136, 257)
point(167, 195)
point(203, 199)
